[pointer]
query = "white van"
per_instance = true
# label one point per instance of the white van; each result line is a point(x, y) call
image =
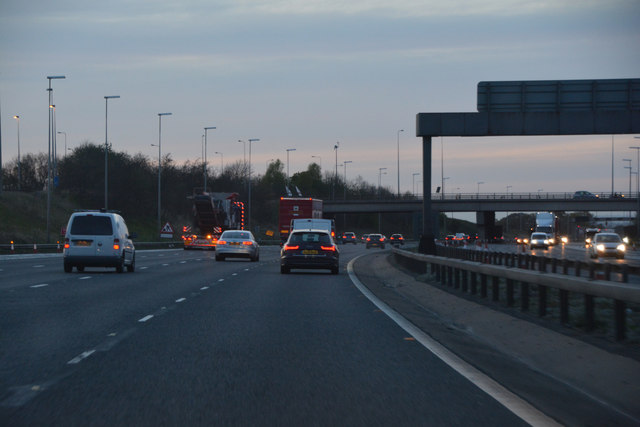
point(314, 224)
point(98, 239)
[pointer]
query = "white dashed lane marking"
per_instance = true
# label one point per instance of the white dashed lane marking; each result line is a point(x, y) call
point(42, 285)
point(81, 357)
point(84, 278)
point(181, 299)
point(145, 318)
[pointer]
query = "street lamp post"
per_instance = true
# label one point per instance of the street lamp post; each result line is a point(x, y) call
point(221, 162)
point(289, 150)
point(19, 171)
point(398, 141)
point(443, 181)
point(380, 178)
point(479, 182)
point(335, 178)
point(344, 163)
point(637, 188)
point(51, 137)
point(413, 183)
point(65, 142)
point(106, 149)
point(205, 155)
point(630, 169)
point(249, 195)
point(160, 167)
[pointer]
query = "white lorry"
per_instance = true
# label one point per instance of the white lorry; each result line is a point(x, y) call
point(314, 224)
point(546, 223)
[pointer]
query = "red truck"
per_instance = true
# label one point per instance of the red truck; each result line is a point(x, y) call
point(296, 208)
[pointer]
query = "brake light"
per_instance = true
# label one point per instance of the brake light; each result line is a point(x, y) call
point(116, 244)
point(247, 243)
point(291, 248)
point(328, 248)
point(368, 239)
point(222, 242)
point(66, 243)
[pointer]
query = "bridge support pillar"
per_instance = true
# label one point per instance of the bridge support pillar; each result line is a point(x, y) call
point(486, 221)
point(427, 239)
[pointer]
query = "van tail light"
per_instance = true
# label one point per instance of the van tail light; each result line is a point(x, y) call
point(116, 244)
point(291, 248)
point(328, 248)
point(66, 243)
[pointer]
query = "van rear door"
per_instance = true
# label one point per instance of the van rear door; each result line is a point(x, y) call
point(90, 235)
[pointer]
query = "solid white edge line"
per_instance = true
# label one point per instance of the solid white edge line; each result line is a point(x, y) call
point(506, 398)
point(81, 357)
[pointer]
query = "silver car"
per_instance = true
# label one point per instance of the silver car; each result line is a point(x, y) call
point(237, 244)
point(607, 244)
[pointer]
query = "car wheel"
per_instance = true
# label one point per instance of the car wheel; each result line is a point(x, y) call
point(219, 258)
point(284, 269)
point(68, 267)
point(80, 268)
point(132, 267)
point(120, 267)
point(334, 270)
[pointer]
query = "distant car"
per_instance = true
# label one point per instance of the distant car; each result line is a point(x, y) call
point(522, 240)
point(309, 249)
point(237, 244)
point(98, 239)
point(607, 244)
point(539, 240)
point(364, 238)
point(396, 239)
point(375, 240)
point(584, 195)
point(349, 237)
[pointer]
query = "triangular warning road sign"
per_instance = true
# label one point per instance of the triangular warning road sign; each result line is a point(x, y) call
point(167, 229)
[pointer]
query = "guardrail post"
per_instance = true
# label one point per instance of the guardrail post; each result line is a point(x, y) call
point(465, 281)
point(554, 265)
point(437, 268)
point(542, 301)
point(565, 266)
point(450, 276)
point(607, 271)
point(564, 306)
point(510, 292)
point(621, 320)
point(625, 273)
point(578, 268)
point(524, 297)
point(495, 292)
point(456, 277)
point(592, 270)
point(483, 285)
point(589, 313)
point(474, 283)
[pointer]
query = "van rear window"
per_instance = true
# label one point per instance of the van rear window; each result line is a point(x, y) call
point(91, 225)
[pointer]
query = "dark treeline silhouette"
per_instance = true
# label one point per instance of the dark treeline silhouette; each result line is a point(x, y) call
point(133, 187)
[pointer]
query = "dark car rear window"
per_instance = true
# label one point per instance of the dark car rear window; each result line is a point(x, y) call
point(91, 225)
point(322, 238)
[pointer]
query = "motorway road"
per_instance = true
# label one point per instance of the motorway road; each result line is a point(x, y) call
point(190, 341)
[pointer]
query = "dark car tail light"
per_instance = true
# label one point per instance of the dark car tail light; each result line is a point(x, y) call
point(247, 243)
point(328, 248)
point(291, 248)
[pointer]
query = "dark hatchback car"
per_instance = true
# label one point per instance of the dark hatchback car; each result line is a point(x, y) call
point(349, 237)
point(396, 239)
point(309, 249)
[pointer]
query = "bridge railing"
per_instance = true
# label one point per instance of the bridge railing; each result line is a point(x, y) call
point(538, 195)
point(533, 283)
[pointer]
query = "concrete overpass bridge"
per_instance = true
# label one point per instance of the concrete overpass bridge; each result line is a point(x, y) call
point(490, 202)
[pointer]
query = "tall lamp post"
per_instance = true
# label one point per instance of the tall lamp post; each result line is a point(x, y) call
point(344, 163)
point(398, 141)
point(637, 189)
point(51, 138)
point(335, 178)
point(65, 142)
point(249, 195)
point(380, 173)
point(289, 150)
point(160, 167)
point(106, 149)
point(413, 184)
point(19, 171)
point(630, 170)
point(205, 155)
point(221, 162)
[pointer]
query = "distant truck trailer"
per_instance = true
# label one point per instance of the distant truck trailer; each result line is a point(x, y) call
point(292, 208)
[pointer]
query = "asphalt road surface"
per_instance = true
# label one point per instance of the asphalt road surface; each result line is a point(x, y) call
point(190, 341)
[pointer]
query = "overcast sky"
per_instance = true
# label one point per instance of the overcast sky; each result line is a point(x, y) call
point(305, 74)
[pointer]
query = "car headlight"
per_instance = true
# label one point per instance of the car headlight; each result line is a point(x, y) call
point(534, 242)
point(551, 241)
point(600, 247)
point(546, 241)
point(621, 248)
point(565, 240)
point(626, 240)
